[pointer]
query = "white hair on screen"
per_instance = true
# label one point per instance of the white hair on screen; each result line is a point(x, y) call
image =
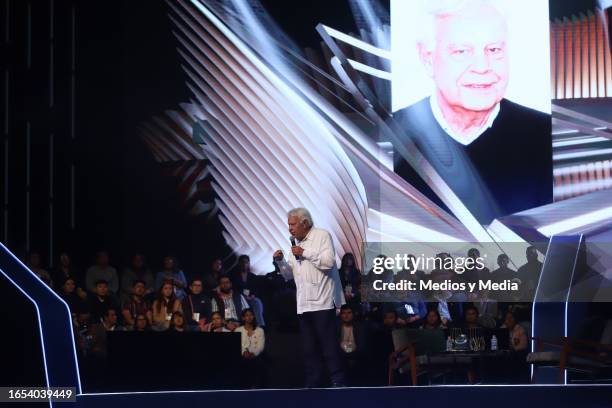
point(433, 10)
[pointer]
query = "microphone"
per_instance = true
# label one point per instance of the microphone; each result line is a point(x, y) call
point(292, 239)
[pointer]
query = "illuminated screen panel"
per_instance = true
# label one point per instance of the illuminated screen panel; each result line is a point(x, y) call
point(471, 88)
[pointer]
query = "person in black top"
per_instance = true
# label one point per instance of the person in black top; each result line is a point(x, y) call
point(196, 306)
point(100, 301)
point(245, 282)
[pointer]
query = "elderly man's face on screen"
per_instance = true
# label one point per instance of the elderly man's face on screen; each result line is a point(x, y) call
point(466, 56)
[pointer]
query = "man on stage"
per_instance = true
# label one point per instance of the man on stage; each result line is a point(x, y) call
point(312, 264)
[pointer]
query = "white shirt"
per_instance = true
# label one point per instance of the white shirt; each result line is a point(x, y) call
point(254, 343)
point(316, 277)
point(464, 140)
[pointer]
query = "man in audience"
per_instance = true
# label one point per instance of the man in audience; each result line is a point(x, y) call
point(529, 273)
point(228, 302)
point(353, 341)
point(102, 271)
point(471, 318)
point(244, 281)
point(136, 305)
point(98, 332)
point(137, 271)
point(211, 279)
point(196, 306)
point(101, 300)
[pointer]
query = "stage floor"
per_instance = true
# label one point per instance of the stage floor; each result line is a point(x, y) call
point(494, 396)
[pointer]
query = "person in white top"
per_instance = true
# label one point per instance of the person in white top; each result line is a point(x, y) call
point(312, 264)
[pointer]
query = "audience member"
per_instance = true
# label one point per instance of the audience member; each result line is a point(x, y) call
point(471, 318)
point(141, 323)
point(433, 321)
point(244, 281)
point(353, 343)
point(228, 302)
point(35, 264)
point(68, 294)
point(503, 271)
point(102, 270)
point(136, 305)
point(217, 324)
point(177, 322)
point(100, 301)
point(197, 305)
point(518, 335)
point(253, 343)
point(65, 269)
point(137, 271)
point(172, 273)
point(529, 273)
point(98, 332)
point(350, 277)
point(164, 305)
point(211, 279)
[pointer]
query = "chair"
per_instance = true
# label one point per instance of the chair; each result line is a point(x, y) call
point(576, 355)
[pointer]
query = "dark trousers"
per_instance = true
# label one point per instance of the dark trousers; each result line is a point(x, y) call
point(321, 347)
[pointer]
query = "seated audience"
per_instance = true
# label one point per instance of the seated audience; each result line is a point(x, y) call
point(100, 301)
point(217, 324)
point(433, 321)
point(137, 271)
point(244, 281)
point(471, 318)
point(141, 323)
point(164, 305)
point(518, 369)
point(136, 305)
point(350, 277)
point(102, 270)
point(173, 274)
point(228, 302)
point(68, 294)
point(65, 270)
point(351, 333)
point(98, 332)
point(253, 343)
point(211, 279)
point(177, 322)
point(34, 262)
point(518, 335)
point(353, 343)
point(196, 306)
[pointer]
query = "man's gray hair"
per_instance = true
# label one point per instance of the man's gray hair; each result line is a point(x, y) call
point(302, 214)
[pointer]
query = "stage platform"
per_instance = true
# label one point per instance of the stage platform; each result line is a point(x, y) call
point(548, 396)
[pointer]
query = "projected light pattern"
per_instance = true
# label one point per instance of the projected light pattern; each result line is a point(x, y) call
point(271, 127)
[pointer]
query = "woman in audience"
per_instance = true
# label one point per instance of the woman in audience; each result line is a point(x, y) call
point(350, 278)
point(163, 307)
point(141, 323)
point(253, 343)
point(433, 320)
point(177, 323)
point(68, 294)
point(217, 324)
point(172, 273)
